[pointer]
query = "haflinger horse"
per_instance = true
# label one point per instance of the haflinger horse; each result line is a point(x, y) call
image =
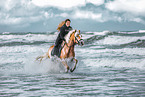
point(73, 37)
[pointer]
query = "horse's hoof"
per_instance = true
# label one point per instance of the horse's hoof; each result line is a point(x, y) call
point(71, 70)
point(68, 68)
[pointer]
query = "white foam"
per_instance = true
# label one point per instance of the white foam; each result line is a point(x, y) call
point(141, 31)
point(52, 65)
point(27, 38)
point(46, 66)
point(115, 63)
point(113, 40)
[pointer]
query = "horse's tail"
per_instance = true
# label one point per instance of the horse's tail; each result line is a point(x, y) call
point(47, 55)
point(60, 25)
point(40, 58)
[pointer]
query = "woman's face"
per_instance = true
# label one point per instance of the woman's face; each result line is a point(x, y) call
point(67, 23)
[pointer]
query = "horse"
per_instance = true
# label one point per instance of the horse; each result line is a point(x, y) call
point(73, 37)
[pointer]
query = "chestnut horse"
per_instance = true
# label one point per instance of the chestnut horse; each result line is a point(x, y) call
point(72, 38)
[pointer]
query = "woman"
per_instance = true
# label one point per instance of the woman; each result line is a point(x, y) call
point(60, 38)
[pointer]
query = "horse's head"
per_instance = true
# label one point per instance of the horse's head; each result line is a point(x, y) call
point(78, 38)
point(75, 36)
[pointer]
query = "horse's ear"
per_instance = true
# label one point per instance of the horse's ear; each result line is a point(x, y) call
point(79, 31)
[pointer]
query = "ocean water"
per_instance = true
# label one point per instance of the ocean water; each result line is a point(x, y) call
point(110, 64)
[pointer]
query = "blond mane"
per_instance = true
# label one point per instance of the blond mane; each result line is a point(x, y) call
point(67, 37)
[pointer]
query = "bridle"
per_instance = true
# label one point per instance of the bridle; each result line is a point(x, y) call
point(78, 41)
point(73, 41)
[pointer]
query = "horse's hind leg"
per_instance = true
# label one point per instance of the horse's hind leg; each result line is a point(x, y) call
point(65, 64)
point(76, 61)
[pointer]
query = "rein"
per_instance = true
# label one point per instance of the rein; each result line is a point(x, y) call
point(73, 43)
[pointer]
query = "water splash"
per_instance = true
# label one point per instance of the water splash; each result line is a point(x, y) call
point(45, 66)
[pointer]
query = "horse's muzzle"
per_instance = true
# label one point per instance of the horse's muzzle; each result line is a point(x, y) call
point(81, 42)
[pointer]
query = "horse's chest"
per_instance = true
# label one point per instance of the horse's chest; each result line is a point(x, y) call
point(68, 52)
point(71, 52)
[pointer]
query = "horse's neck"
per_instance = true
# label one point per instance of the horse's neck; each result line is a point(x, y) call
point(71, 42)
point(69, 47)
point(70, 50)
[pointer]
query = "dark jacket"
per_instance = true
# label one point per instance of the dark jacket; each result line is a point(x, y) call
point(63, 31)
point(60, 38)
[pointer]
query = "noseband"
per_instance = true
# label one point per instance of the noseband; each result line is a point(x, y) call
point(78, 41)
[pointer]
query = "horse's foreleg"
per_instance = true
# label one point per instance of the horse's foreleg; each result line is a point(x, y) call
point(65, 64)
point(76, 61)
